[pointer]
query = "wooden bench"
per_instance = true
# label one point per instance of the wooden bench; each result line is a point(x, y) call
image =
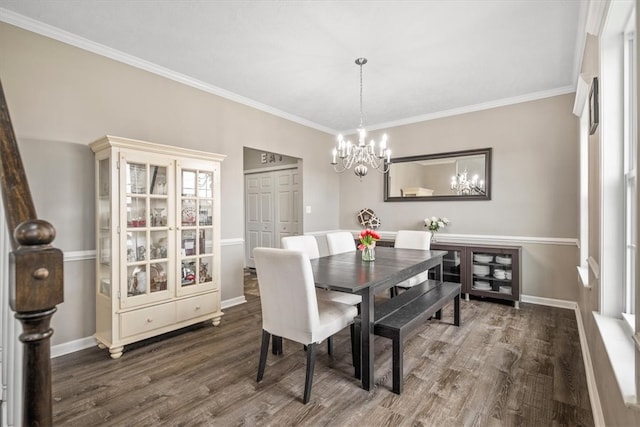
point(398, 316)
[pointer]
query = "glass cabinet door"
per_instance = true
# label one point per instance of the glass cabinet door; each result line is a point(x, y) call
point(104, 252)
point(491, 272)
point(452, 263)
point(196, 183)
point(148, 233)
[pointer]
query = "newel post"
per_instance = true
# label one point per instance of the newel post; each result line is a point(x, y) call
point(36, 277)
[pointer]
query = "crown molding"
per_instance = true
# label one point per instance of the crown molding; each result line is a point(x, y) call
point(471, 108)
point(581, 41)
point(66, 37)
point(595, 16)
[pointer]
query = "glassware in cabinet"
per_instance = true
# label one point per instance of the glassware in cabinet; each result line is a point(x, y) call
point(197, 217)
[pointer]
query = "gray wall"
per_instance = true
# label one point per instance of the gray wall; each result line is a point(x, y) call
point(534, 186)
point(534, 174)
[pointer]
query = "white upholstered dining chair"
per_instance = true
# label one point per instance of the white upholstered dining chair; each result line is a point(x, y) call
point(290, 308)
point(340, 241)
point(309, 245)
point(412, 239)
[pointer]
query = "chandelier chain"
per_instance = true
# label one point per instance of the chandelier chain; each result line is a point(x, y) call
point(361, 115)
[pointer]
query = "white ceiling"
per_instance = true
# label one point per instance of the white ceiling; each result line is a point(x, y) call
point(296, 58)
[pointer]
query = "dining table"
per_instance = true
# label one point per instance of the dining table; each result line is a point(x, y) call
point(347, 272)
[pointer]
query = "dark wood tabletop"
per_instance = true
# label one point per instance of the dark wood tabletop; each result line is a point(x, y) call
point(347, 272)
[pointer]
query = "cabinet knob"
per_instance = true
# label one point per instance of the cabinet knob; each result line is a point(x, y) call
point(197, 307)
point(149, 320)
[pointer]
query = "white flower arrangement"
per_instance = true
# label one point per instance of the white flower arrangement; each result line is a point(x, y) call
point(434, 224)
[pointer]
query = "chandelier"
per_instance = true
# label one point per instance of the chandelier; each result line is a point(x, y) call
point(461, 185)
point(363, 155)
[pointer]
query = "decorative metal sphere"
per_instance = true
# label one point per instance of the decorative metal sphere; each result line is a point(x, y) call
point(360, 170)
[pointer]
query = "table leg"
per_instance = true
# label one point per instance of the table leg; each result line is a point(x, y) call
point(366, 337)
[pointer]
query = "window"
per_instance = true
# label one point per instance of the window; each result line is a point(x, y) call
point(618, 153)
point(619, 196)
point(583, 268)
point(630, 170)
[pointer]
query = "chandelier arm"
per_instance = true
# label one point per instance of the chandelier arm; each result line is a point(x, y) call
point(348, 162)
point(380, 165)
point(335, 168)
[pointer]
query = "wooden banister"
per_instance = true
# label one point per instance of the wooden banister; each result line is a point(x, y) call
point(35, 276)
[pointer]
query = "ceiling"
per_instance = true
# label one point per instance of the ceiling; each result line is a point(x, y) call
point(426, 59)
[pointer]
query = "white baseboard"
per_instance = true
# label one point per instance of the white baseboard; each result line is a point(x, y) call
point(232, 302)
point(73, 346)
point(551, 302)
point(87, 342)
point(594, 397)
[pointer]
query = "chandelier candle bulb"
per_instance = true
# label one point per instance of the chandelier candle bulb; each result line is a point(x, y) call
point(461, 185)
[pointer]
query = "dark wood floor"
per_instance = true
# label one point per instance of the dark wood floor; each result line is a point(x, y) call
point(502, 367)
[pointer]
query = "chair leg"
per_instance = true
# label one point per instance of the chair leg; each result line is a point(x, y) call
point(356, 350)
point(393, 291)
point(263, 354)
point(352, 333)
point(456, 310)
point(438, 315)
point(330, 346)
point(311, 361)
point(276, 345)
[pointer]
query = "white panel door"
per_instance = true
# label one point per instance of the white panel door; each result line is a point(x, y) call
point(287, 199)
point(259, 213)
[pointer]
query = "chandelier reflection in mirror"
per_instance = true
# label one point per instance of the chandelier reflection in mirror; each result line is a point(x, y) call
point(461, 185)
point(364, 155)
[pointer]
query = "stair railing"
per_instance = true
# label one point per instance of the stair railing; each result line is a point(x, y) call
point(35, 276)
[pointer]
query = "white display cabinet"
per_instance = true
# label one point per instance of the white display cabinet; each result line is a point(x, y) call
point(158, 240)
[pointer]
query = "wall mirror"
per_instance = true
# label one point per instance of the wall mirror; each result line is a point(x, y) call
point(459, 175)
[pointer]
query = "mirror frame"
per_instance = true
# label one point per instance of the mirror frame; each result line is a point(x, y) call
point(452, 197)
